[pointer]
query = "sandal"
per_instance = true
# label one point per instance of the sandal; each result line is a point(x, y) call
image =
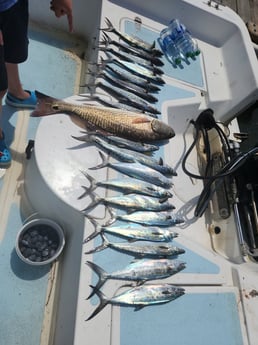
point(5, 155)
point(22, 103)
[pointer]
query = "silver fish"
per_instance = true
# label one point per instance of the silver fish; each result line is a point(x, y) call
point(106, 41)
point(122, 123)
point(126, 155)
point(114, 104)
point(133, 232)
point(138, 70)
point(136, 170)
point(139, 250)
point(129, 202)
point(139, 271)
point(129, 144)
point(128, 76)
point(127, 185)
point(140, 296)
point(133, 41)
point(126, 97)
point(125, 85)
point(134, 59)
point(164, 218)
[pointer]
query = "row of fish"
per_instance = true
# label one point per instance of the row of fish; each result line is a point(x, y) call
point(131, 73)
point(144, 189)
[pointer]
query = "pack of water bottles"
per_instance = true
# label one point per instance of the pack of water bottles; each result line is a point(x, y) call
point(177, 43)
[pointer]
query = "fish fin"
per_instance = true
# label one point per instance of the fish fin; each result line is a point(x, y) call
point(103, 302)
point(106, 40)
point(131, 240)
point(92, 186)
point(112, 216)
point(79, 121)
point(110, 27)
point(104, 245)
point(84, 138)
point(142, 119)
point(161, 200)
point(85, 193)
point(139, 307)
point(161, 162)
point(97, 229)
point(102, 275)
point(95, 201)
point(103, 164)
point(45, 105)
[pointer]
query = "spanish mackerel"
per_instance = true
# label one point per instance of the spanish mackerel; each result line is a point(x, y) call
point(137, 146)
point(106, 40)
point(129, 144)
point(126, 124)
point(139, 250)
point(140, 296)
point(164, 218)
point(139, 271)
point(127, 185)
point(132, 231)
point(129, 87)
point(136, 170)
point(130, 201)
point(124, 96)
point(125, 75)
point(134, 59)
point(133, 41)
point(138, 70)
point(126, 155)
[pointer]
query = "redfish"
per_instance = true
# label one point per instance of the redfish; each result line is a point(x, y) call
point(119, 122)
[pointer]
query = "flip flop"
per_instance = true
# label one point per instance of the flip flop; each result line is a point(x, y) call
point(5, 155)
point(22, 103)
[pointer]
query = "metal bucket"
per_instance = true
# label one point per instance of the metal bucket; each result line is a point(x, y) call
point(40, 242)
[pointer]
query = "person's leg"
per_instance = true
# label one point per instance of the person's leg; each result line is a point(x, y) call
point(5, 156)
point(3, 79)
point(15, 25)
point(14, 84)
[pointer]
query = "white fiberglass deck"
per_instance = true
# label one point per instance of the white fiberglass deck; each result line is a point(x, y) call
point(216, 279)
point(220, 305)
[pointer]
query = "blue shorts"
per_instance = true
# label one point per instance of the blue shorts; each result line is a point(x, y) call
point(14, 27)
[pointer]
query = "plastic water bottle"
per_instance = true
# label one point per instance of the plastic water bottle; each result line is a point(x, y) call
point(183, 39)
point(169, 47)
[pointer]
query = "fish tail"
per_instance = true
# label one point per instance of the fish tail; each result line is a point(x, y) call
point(103, 302)
point(102, 275)
point(86, 137)
point(103, 164)
point(45, 105)
point(106, 40)
point(92, 186)
point(104, 245)
point(96, 232)
point(95, 201)
point(112, 216)
point(110, 27)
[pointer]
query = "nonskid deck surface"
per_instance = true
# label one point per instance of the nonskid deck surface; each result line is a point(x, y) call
point(53, 68)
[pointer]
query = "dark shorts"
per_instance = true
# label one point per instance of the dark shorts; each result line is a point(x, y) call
point(14, 27)
point(3, 75)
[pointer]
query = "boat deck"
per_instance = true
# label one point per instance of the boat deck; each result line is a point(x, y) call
point(31, 313)
point(53, 68)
